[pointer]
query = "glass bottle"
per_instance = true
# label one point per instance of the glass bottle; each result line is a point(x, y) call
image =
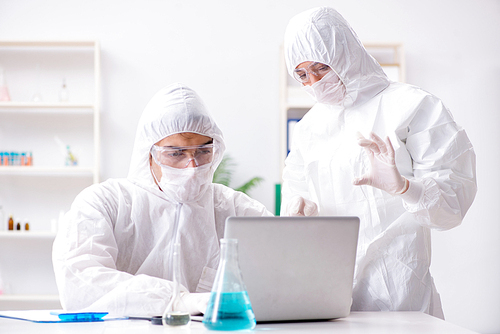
point(176, 314)
point(71, 159)
point(11, 223)
point(229, 307)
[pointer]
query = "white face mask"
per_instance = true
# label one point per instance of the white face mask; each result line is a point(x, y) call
point(185, 184)
point(329, 89)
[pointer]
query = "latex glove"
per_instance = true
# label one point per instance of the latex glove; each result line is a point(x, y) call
point(384, 174)
point(299, 206)
point(196, 303)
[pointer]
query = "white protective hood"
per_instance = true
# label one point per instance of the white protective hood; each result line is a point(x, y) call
point(114, 249)
point(432, 152)
point(323, 35)
point(174, 109)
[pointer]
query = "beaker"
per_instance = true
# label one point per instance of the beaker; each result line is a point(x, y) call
point(229, 307)
point(176, 313)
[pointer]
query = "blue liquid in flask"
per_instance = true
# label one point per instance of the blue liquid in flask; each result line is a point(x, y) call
point(229, 311)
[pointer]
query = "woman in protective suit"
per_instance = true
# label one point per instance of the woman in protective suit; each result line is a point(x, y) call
point(114, 250)
point(414, 171)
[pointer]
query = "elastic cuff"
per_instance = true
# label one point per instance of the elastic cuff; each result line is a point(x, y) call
point(405, 187)
point(414, 192)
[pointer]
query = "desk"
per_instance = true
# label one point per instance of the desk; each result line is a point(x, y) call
point(356, 323)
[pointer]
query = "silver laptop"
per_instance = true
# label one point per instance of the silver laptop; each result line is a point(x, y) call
point(296, 268)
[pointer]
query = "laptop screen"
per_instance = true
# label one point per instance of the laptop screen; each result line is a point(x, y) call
point(296, 268)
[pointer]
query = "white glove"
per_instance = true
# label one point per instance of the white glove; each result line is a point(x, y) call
point(384, 174)
point(196, 303)
point(299, 206)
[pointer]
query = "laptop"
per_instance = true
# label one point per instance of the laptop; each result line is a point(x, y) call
point(296, 268)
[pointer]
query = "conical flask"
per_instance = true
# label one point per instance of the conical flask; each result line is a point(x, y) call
point(176, 314)
point(229, 307)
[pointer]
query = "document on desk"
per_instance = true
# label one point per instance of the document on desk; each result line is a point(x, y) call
point(51, 316)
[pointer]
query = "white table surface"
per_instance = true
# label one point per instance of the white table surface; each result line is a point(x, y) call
point(355, 323)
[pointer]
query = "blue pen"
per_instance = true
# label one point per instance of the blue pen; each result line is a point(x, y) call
point(80, 316)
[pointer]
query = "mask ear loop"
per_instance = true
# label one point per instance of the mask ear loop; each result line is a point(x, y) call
point(154, 175)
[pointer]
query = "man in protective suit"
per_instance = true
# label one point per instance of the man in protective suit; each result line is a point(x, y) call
point(114, 250)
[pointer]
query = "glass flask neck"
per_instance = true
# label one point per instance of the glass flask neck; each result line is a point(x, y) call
point(177, 269)
point(228, 277)
point(176, 314)
point(229, 252)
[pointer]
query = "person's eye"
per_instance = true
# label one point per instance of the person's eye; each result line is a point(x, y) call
point(302, 75)
point(204, 151)
point(175, 154)
point(323, 69)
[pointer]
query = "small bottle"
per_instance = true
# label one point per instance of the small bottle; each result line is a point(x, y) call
point(229, 306)
point(18, 227)
point(11, 223)
point(63, 93)
point(29, 159)
point(4, 90)
point(176, 314)
point(26, 225)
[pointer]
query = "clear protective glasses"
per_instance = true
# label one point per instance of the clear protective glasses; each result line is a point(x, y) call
point(181, 157)
point(316, 69)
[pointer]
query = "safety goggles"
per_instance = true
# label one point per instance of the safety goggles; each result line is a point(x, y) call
point(181, 157)
point(316, 69)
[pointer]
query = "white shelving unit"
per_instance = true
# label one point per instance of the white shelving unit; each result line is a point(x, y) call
point(295, 103)
point(27, 273)
point(39, 193)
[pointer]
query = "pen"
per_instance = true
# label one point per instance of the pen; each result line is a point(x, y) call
point(80, 316)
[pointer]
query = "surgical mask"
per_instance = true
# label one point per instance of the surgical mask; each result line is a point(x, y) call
point(329, 89)
point(185, 184)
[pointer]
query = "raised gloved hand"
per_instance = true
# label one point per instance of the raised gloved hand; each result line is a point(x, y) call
point(196, 303)
point(384, 174)
point(299, 206)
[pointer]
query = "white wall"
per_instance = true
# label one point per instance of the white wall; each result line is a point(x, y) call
point(228, 52)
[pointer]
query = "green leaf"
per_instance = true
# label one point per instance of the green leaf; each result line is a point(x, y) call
point(249, 185)
point(224, 173)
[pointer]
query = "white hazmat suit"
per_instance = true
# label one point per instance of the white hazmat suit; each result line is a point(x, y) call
point(431, 151)
point(114, 250)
